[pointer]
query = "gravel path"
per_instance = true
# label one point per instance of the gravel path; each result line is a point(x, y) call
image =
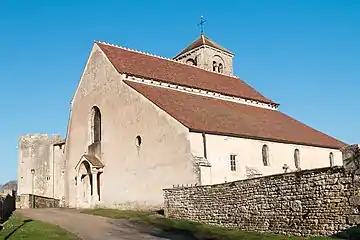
point(90, 227)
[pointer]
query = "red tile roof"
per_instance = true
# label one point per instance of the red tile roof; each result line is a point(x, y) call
point(170, 71)
point(201, 41)
point(212, 115)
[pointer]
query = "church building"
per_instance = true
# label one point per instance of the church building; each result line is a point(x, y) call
point(140, 123)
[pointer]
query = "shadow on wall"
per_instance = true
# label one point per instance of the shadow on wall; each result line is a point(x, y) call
point(350, 233)
point(7, 206)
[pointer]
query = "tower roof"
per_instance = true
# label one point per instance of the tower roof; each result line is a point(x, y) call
point(202, 41)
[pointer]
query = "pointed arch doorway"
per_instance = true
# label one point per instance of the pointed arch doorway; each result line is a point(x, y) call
point(88, 169)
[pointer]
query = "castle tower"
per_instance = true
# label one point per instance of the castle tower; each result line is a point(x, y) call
point(207, 54)
point(41, 165)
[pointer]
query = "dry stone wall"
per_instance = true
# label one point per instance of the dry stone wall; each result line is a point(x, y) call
point(30, 201)
point(312, 202)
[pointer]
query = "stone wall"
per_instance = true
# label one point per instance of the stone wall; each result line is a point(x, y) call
point(44, 155)
point(312, 202)
point(23, 201)
point(45, 202)
point(26, 201)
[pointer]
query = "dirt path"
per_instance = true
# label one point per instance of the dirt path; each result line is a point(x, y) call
point(90, 227)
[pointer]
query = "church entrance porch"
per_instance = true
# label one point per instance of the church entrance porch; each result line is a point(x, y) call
point(89, 170)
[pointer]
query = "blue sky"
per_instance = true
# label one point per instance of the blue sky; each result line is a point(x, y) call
point(304, 54)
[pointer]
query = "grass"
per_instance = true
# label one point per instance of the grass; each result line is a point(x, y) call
point(18, 227)
point(191, 229)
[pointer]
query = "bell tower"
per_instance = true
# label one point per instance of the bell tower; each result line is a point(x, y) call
point(207, 54)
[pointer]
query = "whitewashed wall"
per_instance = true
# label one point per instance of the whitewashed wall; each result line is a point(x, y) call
point(249, 157)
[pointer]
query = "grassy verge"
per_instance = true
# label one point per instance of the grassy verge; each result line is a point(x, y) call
point(191, 229)
point(18, 227)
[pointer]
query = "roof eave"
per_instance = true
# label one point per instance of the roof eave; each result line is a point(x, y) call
point(266, 139)
point(183, 52)
point(185, 85)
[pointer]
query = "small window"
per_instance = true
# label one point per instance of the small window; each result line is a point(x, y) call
point(221, 68)
point(47, 178)
point(331, 158)
point(297, 158)
point(265, 155)
point(95, 125)
point(138, 141)
point(233, 162)
point(190, 62)
point(215, 66)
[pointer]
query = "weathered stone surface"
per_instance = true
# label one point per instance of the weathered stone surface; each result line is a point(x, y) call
point(311, 202)
point(26, 201)
point(45, 155)
point(354, 200)
point(354, 219)
point(44, 202)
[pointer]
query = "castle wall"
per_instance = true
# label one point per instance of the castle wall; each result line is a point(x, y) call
point(311, 202)
point(45, 155)
point(249, 162)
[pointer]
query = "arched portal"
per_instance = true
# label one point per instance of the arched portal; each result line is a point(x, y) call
point(89, 169)
point(85, 183)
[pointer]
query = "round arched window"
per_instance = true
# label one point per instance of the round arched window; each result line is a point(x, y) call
point(138, 141)
point(331, 158)
point(297, 158)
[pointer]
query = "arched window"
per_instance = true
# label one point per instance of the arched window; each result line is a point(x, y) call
point(95, 125)
point(297, 158)
point(215, 66)
point(218, 64)
point(190, 62)
point(265, 155)
point(331, 158)
point(233, 162)
point(221, 68)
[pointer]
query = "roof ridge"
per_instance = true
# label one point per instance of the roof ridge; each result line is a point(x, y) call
point(165, 58)
point(203, 38)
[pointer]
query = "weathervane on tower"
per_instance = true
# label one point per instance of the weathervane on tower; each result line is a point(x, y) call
point(201, 24)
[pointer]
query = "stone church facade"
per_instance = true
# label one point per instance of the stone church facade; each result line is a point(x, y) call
point(140, 123)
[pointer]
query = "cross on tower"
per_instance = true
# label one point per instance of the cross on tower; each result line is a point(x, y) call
point(201, 24)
